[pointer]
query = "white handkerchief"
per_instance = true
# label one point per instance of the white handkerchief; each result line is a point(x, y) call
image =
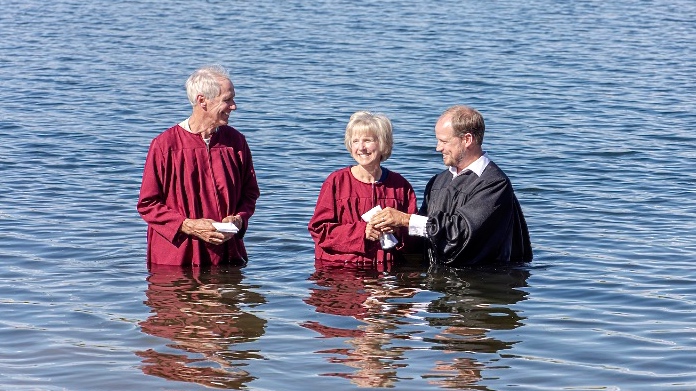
point(387, 240)
point(368, 215)
point(226, 227)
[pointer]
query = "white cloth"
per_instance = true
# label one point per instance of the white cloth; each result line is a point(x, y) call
point(386, 240)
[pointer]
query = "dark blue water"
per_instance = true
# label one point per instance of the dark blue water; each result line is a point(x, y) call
point(590, 109)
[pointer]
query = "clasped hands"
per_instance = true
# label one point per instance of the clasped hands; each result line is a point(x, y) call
point(385, 221)
point(204, 229)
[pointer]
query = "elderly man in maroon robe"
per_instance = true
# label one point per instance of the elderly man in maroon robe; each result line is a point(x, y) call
point(470, 215)
point(197, 173)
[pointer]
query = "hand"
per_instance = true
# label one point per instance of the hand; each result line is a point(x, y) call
point(204, 230)
point(235, 219)
point(371, 233)
point(388, 219)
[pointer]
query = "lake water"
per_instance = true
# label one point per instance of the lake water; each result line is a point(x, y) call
point(590, 109)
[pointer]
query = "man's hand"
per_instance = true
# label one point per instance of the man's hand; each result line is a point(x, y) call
point(389, 219)
point(204, 230)
point(235, 219)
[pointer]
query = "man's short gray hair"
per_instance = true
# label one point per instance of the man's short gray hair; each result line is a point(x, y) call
point(205, 81)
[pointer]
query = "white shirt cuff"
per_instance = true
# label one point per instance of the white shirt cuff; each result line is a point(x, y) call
point(416, 225)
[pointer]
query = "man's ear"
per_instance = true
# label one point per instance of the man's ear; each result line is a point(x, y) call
point(200, 101)
point(468, 139)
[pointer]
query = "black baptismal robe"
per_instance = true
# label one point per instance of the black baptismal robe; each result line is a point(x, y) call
point(474, 220)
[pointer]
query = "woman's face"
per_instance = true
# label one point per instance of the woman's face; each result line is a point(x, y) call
point(365, 149)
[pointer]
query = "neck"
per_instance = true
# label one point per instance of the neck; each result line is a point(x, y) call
point(367, 174)
point(467, 161)
point(200, 126)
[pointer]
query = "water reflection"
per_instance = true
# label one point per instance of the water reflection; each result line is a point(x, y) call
point(391, 315)
point(205, 314)
point(474, 304)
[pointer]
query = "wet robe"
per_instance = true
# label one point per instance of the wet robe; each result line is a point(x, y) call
point(474, 220)
point(337, 226)
point(185, 178)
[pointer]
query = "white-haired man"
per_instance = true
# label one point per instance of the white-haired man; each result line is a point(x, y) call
point(198, 172)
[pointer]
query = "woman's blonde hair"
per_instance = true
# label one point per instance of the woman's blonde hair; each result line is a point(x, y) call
point(375, 123)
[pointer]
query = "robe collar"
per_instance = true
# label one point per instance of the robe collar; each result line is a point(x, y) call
point(476, 167)
point(185, 124)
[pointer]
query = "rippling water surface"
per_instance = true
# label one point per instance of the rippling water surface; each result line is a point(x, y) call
point(589, 108)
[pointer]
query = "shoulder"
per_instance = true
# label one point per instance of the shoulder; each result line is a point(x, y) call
point(168, 138)
point(493, 173)
point(169, 133)
point(230, 131)
point(337, 182)
point(494, 180)
point(397, 179)
point(442, 176)
point(393, 175)
point(341, 174)
point(228, 134)
point(442, 179)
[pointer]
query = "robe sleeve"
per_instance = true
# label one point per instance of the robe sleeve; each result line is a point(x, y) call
point(472, 224)
point(327, 229)
point(423, 211)
point(412, 201)
point(151, 204)
point(247, 203)
point(409, 244)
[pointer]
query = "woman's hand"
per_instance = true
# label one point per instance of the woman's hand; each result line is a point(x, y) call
point(371, 233)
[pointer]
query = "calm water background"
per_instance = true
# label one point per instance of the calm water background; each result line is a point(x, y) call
point(590, 109)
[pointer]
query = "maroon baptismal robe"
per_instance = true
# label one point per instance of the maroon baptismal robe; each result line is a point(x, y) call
point(184, 178)
point(337, 226)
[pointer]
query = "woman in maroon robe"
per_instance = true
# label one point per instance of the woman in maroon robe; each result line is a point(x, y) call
point(338, 228)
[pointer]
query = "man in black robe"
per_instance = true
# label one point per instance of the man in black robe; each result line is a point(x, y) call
point(470, 215)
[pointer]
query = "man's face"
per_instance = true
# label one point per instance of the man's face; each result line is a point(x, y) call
point(222, 105)
point(452, 147)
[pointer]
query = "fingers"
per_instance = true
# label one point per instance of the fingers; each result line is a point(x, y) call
point(204, 230)
point(197, 226)
point(226, 236)
point(378, 219)
point(371, 233)
point(218, 237)
point(236, 220)
point(386, 220)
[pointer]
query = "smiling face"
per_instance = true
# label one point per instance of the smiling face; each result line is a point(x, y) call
point(220, 107)
point(365, 148)
point(453, 148)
